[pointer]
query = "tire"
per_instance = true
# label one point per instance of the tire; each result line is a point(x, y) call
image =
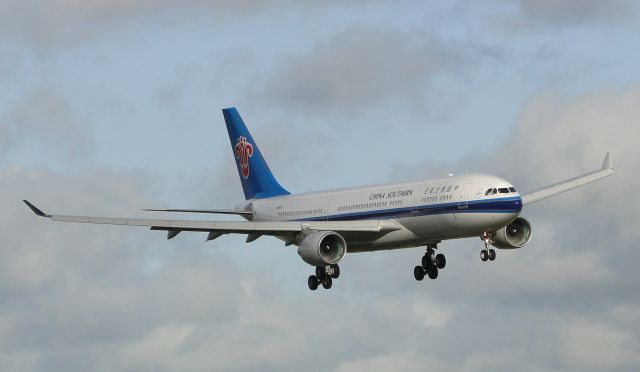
point(313, 282)
point(426, 262)
point(433, 273)
point(484, 255)
point(492, 255)
point(336, 271)
point(327, 282)
point(441, 261)
point(418, 273)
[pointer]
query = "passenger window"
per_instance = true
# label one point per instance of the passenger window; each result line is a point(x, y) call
point(448, 188)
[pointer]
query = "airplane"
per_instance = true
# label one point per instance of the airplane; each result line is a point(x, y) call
point(326, 225)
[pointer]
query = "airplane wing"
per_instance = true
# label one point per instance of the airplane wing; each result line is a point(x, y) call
point(217, 228)
point(555, 189)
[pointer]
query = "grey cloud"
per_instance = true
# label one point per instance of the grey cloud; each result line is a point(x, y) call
point(61, 21)
point(57, 23)
point(574, 12)
point(578, 263)
point(78, 297)
point(43, 116)
point(364, 66)
point(592, 345)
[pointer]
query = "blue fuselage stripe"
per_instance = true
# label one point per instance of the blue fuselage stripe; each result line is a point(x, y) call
point(500, 205)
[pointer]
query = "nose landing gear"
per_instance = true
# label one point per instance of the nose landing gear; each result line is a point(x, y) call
point(324, 275)
point(487, 253)
point(430, 264)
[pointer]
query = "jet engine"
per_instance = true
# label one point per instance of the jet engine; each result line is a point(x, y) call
point(514, 235)
point(322, 248)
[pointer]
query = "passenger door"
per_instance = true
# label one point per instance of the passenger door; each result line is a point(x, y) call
point(463, 201)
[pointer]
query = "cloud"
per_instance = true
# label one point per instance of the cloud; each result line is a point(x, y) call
point(600, 346)
point(430, 314)
point(44, 117)
point(573, 12)
point(364, 66)
point(77, 297)
point(582, 240)
point(393, 361)
point(55, 23)
point(51, 23)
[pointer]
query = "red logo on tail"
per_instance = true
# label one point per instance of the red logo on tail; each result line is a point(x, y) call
point(244, 150)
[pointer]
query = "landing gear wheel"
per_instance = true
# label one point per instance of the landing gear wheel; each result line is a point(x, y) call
point(327, 282)
point(433, 273)
point(418, 273)
point(484, 255)
point(441, 261)
point(427, 262)
point(313, 282)
point(336, 271)
point(492, 255)
point(320, 272)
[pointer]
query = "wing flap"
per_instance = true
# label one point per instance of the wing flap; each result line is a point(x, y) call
point(211, 211)
point(555, 189)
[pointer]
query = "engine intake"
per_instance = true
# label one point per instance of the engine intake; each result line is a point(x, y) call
point(322, 248)
point(515, 235)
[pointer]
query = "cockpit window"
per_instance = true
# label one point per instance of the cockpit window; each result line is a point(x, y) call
point(502, 190)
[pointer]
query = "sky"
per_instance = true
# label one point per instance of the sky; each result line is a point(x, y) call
point(110, 106)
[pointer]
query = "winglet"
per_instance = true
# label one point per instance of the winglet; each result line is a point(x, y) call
point(608, 164)
point(36, 210)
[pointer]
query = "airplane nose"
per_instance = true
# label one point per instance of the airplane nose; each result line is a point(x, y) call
point(517, 204)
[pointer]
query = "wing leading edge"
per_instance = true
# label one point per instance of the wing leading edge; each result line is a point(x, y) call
point(555, 189)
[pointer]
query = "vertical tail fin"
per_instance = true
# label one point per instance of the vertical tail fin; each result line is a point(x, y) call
point(255, 175)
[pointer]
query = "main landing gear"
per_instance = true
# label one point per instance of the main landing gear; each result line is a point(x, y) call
point(324, 275)
point(430, 264)
point(487, 253)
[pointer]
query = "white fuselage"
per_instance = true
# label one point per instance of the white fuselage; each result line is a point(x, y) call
point(426, 211)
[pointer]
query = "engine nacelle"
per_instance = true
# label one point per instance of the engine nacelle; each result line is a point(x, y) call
point(322, 248)
point(514, 235)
